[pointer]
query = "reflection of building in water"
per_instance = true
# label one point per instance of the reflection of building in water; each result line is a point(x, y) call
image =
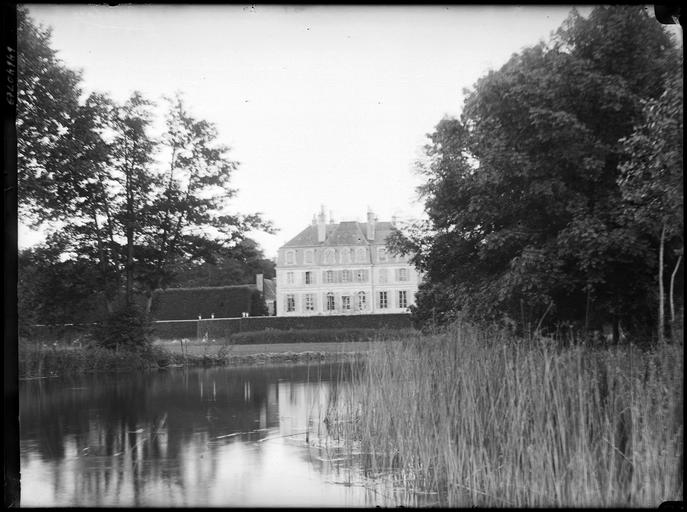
point(301, 406)
point(158, 440)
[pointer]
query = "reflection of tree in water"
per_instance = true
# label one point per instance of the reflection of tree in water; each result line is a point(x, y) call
point(136, 434)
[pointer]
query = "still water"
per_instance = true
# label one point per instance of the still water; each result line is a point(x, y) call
point(191, 438)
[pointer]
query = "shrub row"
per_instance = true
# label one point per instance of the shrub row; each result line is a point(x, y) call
point(37, 360)
point(225, 327)
point(317, 335)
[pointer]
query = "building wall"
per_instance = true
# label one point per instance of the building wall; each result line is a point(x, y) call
point(328, 266)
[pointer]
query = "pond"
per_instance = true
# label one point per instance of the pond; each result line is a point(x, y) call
point(191, 438)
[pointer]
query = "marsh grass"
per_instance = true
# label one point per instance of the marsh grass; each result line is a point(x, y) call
point(483, 420)
point(42, 360)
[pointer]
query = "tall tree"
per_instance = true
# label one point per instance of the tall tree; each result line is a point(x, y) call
point(187, 219)
point(47, 100)
point(522, 191)
point(652, 185)
point(138, 206)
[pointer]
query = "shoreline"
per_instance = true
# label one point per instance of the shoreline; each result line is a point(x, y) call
point(44, 363)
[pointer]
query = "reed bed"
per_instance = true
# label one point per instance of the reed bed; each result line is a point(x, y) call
point(37, 360)
point(484, 420)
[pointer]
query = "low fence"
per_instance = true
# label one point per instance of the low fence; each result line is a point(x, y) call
point(223, 328)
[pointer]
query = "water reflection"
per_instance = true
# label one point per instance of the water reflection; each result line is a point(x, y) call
point(204, 437)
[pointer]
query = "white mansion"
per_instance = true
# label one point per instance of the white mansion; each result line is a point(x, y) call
point(343, 268)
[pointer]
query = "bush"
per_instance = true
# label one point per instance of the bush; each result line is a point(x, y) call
point(127, 328)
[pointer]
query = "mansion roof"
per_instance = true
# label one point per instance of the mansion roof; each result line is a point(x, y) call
point(349, 233)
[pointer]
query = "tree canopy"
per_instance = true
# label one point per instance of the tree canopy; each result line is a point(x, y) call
point(139, 206)
point(527, 219)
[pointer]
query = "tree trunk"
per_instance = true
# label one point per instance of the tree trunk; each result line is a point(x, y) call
point(129, 242)
point(149, 303)
point(672, 288)
point(661, 293)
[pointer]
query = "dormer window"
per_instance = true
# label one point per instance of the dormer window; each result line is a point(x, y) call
point(290, 257)
point(329, 256)
point(360, 255)
point(309, 256)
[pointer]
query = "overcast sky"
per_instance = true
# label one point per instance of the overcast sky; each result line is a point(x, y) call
point(320, 105)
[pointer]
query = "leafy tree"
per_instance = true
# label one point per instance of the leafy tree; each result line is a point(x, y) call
point(51, 291)
point(47, 100)
point(651, 182)
point(237, 265)
point(187, 220)
point(522, 193)
point(138, 206)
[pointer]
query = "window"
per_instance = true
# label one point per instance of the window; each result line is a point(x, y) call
point(402, 274)
point(381, 254)
point(290, 257)
point(308, 278)
point(329, 276)
point(360, 255)
point(345, 303)
point(383, 275)
point(346, 276)
point(361, 276)
point(289, 278)
point(329, 256)
point(309, 302)
point(330, 302)
point(308, 256)
point(403, 299)
point(345, 255)
point(290, 303)
point(362, 301)
point(383, 300)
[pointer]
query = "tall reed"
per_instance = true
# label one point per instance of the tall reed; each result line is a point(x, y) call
point(483, 420)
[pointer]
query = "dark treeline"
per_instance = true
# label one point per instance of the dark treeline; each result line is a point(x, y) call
point(556, 199)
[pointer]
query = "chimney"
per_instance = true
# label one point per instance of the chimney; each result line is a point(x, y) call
point(259, 282)
point(314, 219)
point(370, 224)
point(331, 217)
point(394, 220)
point(321, 225)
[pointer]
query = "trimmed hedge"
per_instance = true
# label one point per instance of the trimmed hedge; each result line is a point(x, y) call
point(225, 327)
point(188, 303)
point(317, 336)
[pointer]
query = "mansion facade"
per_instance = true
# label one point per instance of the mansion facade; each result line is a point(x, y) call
point(343, 268)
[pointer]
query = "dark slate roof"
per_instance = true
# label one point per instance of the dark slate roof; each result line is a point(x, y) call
point(341, 234)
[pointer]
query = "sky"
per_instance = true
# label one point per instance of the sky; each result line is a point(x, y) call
point(322, 106)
